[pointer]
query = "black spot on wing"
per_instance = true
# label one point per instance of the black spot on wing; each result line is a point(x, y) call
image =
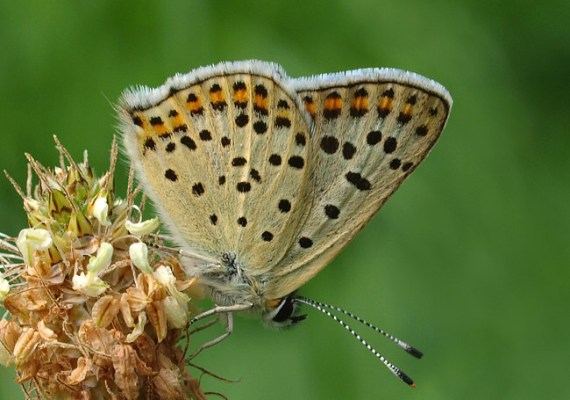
point(305, 242)
point(188, 142)
point(198, 189)
point(329, 144)
point(171, 175)
point(267, 236)
point(284, 205)
point(390, 145)
point(373, 138)
point(332, 211)
point(358, 181)
point(243, 187)
point(150, 144)
point(296, 162)
point(348, 150)
point(260, 127)
point(275, 159)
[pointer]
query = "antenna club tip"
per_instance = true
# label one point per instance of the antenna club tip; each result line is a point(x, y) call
point(415, 352)
point(406, 379)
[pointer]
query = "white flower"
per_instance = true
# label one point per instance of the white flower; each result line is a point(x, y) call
point(101, 211)
point(32, 239)
point(139, 328)
point(175, 313)
point(165, 277)
point(142, 228)
point(4, 289)
point(102, 260)
point(139, 256)
point(89, 284)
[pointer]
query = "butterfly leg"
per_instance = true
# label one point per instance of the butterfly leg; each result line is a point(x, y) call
point(228, 311)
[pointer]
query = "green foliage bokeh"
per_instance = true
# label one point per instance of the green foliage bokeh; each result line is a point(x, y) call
point(470, 258)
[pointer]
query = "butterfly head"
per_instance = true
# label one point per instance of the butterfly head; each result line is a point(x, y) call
point(229, 285)
point(282, 313)
point(276, 313)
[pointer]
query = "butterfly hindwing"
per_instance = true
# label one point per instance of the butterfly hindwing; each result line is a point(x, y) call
point(372, 129)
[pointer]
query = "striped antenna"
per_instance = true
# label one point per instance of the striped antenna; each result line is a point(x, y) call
point(324, 308)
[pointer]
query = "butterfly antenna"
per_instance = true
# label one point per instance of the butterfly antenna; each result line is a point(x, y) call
point(324, 309)
point(407, 347)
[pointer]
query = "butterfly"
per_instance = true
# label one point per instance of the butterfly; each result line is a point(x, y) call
point(262, 179)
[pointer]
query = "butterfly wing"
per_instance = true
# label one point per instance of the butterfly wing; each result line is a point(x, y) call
point(222, 154)
point(372, 129)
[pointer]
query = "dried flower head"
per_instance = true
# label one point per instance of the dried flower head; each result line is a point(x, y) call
point(93, 311)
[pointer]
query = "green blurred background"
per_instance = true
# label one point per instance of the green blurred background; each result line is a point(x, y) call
point(470, 258)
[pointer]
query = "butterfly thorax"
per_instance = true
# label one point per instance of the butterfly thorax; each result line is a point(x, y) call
point(229, 283)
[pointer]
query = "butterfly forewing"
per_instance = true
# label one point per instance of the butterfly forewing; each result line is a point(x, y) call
point(223, 155)
point(372, 128)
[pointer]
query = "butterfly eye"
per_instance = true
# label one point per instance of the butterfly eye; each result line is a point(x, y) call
point(284, 314)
